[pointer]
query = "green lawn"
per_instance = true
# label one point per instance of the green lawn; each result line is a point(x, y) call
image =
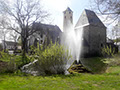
point(94, 64)
point(109, 80)
point(106, 81)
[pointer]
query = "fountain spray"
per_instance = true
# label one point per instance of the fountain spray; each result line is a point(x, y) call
point(72, 39)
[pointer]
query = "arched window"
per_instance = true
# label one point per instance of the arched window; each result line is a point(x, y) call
point(41, 36)
point(101, 45)
point(35, 42)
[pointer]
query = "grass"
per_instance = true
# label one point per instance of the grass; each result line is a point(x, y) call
point(109, 80)
point(115, 70)
point(94, 64)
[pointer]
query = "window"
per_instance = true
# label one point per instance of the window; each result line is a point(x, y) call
point(65, 17)
point(69, 12)
point(41, 36)
point(41, 41)
point(35, 42)
point(101, 45)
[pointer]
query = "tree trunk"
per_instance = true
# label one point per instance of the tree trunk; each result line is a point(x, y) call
point(4, 44)
point(24, 49)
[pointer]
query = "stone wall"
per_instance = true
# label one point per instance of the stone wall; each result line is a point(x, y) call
point(85, 41)
point(94, 39)
point(97, 38)
point(67, 19)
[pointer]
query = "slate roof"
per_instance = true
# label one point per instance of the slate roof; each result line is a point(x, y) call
point(53, 30)
point(68, 9)
point(47, 27)
point(88, 17)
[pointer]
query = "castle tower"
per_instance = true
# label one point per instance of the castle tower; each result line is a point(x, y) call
point(67, 19)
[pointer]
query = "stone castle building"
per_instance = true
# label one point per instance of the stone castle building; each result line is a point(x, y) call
point(94, 31)
point(43, 32)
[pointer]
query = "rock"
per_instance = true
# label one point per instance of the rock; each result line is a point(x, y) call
point(30, 69)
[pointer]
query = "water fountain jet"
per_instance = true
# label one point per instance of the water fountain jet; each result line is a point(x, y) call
point(72, 39)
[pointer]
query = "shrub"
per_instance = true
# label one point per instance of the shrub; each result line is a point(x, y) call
point(4, 56)
point(108, 51)
point(52, 60)
point(114, 61)
point(7, 62)
point(13, 62)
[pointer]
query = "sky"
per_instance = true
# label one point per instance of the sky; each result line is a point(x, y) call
point(56, 8)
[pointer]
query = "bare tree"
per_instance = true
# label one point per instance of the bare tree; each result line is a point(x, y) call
point(14, 36)
point(116, 31)
point(107, 7)
point(111, 10)
point(3, 30)
point(23, 13)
